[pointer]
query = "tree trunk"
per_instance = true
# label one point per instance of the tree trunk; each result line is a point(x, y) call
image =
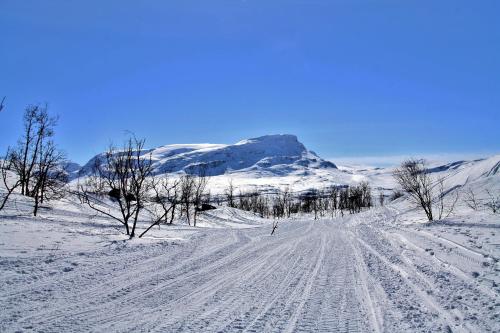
point(172, 215)
point(126, 227)
point(132, 234)
point(35, 209)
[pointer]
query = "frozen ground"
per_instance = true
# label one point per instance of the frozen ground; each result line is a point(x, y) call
point(379, 271)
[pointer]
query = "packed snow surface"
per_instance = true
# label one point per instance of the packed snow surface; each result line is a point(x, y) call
point(360, 273)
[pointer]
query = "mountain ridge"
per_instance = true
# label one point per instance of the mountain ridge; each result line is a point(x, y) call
point(276, 154)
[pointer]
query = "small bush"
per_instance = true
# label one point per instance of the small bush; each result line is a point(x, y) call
point(395, 195)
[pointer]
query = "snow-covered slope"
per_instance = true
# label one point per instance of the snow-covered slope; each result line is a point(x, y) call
point(71, 271)
point(465, 173)
point(477, 173)
point(270, 155)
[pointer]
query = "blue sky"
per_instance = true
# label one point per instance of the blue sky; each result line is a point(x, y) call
point(349, 78)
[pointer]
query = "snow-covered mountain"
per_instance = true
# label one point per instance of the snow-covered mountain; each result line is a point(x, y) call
point(270, 162)
point(273, 155)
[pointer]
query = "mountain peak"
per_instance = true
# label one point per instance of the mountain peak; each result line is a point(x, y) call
point(278, 154)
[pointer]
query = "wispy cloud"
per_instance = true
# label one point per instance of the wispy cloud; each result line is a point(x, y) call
point(392, 160)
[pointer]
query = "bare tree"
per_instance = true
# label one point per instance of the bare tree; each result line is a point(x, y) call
point(366, 194)
point(280, 205)
point(396, 194)
point(141, 170)
point(343, 200)
point(38, 128)
point(123, 176)
point(199, 186)
point(285, 198)
point(310, 202)
point(493, 201)
point(164, 200)
point(49, 177)
point(470, 199)
point(192, 192)
point(333, 195)
point(174, 200)
point(36, 162)
point(218, 199)
point(381, 199)
point(186, 196)
point(5, 167)
point(413, 177)
point(445, 209)
point(229, 192)
point(275, 226)
point(356, 198)
point(207, 198)
point(254, 202)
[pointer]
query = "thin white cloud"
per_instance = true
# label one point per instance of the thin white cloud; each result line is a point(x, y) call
point(392, 160)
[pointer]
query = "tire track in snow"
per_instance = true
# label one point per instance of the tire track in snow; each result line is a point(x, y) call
point(426, 282)
point(343, 275)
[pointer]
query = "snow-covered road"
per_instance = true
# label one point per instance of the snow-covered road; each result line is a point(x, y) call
point(357, 274)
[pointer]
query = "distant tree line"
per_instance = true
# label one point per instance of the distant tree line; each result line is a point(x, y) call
point(330, 201)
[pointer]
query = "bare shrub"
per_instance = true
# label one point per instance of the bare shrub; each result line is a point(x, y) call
point(470, 199)
point(396, 194)
point(413, 177)
point(493, 201)
point(5, 167)
point(199, 192)
point(164, 200)
point(445, 209)
point(35, 162)
point(229, 193)
point(122, 176)
point(381, 199)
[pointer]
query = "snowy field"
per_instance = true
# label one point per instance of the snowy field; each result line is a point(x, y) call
point(380, 271)
point(383, 270)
